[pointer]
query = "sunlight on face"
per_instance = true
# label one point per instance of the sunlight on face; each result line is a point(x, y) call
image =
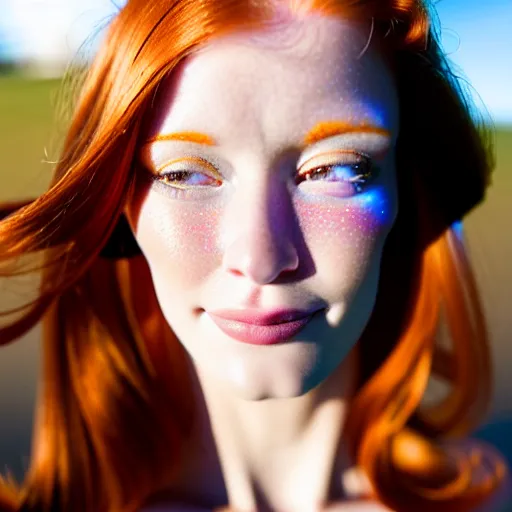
point(266, 193)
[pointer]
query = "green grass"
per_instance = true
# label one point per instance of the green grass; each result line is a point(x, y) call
point(27, 129)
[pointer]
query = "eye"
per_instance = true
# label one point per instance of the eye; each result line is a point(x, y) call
point(188, 179)
point(189, 173)
point(342, 173)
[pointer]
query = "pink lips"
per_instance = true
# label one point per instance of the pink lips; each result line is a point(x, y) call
point(261, 327)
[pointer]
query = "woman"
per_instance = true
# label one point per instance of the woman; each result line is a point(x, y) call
point(247, 247)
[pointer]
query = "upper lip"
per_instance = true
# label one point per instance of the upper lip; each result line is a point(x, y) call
point(263, 317)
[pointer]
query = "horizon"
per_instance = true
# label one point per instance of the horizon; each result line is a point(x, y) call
point(476, 38)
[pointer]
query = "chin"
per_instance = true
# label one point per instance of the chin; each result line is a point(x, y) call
point(292, 378)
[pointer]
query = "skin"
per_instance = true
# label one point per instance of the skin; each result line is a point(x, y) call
point(242, 231)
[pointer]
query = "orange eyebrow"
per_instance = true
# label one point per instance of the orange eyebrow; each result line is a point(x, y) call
point(198, 138)
point(320, 131)
point(325, 129)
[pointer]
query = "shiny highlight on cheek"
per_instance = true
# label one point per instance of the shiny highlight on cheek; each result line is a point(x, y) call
point(195, 231)
point(379, 206)
point(360, 218)
point(180, 238)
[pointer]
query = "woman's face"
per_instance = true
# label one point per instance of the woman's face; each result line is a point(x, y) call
point(271, 193)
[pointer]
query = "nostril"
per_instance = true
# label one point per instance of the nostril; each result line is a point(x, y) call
point(293, 258)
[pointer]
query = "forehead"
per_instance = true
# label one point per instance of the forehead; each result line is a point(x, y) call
point(305, 71)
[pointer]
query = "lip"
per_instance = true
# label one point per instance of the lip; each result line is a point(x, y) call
point(258, 327)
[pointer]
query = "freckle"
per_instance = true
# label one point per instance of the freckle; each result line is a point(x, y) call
point(195, 231)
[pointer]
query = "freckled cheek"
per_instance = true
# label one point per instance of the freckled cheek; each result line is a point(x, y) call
point(347, 234)
point(179, 240)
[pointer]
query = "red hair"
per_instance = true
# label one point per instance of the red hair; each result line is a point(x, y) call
point(112, 369)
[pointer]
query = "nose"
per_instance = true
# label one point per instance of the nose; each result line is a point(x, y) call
point(259, 233)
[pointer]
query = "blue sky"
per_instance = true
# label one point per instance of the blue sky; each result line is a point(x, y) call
point(477, 34)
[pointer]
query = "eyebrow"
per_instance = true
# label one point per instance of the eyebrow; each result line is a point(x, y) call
point(321, 131)
point(198, 138)
point(326, 129)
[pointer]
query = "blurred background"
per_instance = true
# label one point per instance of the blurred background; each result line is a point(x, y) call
point(39, 38)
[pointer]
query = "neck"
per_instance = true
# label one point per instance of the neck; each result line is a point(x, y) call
point(278, 454)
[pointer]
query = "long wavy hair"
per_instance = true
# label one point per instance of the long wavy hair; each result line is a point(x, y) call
point(113, 406)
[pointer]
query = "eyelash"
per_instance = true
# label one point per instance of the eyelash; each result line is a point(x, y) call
point(365, 172)
point(181, 173)
point(362, 177)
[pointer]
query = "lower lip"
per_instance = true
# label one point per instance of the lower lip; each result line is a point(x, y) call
point(261, 334)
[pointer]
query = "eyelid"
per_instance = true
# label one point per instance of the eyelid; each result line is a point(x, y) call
point(331, 158)
point(204, 164)
point(373, 144)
